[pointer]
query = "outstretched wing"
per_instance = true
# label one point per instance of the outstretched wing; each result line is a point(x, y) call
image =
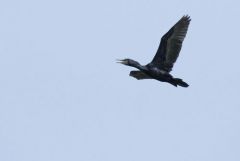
point(171, 44)
point(139, 75)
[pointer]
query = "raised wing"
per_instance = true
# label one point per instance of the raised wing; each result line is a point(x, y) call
point(171, 44)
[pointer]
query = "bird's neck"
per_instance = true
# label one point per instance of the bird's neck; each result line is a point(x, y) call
point(140, 67)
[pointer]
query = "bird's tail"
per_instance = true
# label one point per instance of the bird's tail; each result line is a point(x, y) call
point(180, 82)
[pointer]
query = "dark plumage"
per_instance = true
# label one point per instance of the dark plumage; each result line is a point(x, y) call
point(166, 56)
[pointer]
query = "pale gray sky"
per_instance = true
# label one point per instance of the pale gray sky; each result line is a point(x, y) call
point(63, 97)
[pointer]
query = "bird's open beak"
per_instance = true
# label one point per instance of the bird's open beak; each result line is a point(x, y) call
point(121, 61)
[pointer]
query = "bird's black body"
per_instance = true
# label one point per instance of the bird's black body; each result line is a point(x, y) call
point(166, 56)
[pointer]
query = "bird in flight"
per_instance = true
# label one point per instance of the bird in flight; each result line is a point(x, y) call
point(166, 56)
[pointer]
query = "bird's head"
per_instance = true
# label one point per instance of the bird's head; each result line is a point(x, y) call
point(128, 62)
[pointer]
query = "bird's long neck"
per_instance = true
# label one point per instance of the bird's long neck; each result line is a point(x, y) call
point(139, 66)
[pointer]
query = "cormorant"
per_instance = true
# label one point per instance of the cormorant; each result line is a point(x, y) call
point(166, 56)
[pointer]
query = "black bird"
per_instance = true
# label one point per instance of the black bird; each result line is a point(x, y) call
point(166, 56)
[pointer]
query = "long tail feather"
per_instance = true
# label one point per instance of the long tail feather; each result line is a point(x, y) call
point(180, 82)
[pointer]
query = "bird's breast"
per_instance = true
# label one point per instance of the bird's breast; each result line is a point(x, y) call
point(158, 71)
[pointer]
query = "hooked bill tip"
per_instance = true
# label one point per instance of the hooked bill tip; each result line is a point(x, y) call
point(119, 61)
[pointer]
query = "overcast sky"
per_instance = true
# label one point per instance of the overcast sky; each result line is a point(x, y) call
point(63, 97)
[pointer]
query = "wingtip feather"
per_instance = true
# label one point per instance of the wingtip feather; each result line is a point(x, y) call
point(186, 18)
